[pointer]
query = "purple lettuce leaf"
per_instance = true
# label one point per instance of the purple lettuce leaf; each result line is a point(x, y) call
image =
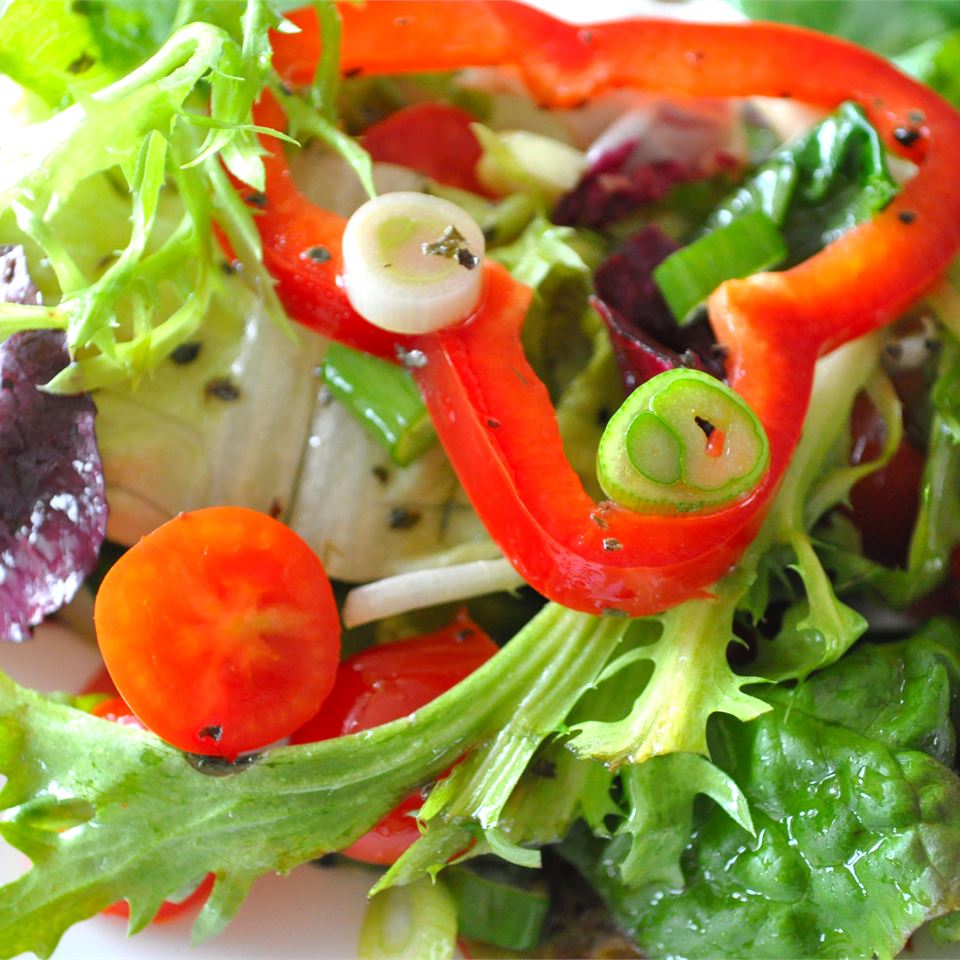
point(642, 155)
point(607, 194)
point(646, 338)
point(53, 509)
point(639, 357)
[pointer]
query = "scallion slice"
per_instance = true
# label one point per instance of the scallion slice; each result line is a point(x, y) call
point(412, 263)
point(683, 441)
point(416, 922)
point(744, 246)
point(383, 398)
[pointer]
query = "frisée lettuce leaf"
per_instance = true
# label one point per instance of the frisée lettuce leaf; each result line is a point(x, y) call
point(178, 125)
point(855, 806)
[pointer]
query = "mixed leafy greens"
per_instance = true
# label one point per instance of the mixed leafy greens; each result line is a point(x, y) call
point(798, 801)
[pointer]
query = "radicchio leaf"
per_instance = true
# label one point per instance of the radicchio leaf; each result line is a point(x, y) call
point(639, 357)
point(605, 195)
point(53, 510)
point(645, 337)
point(643, 155)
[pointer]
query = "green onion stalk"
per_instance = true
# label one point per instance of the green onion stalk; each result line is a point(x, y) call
point(683, 441)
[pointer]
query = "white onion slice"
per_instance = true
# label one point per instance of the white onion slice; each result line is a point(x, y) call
point(412, 263)
point(427, 588)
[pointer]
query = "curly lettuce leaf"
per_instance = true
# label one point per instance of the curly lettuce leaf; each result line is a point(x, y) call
point(142, 128)
point(127, 31)
point(857, 819)
point(174, 126)
point(50, 48)
point(557, 264)
point(91, 802)
point(696, 632)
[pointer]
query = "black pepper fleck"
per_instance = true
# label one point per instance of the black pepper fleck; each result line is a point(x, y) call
point(219, 766)
point(256, 199)
point(381, 473)
point(186, 353)
point(612, 543)
point(82, 64)
point(493, 423)
point(401, 518)
point(598, 520)
point(615, 612)
point(906, 136)
point(461, 635)
point(906, 216)
point(316, 254)
point(705, 425)
point(545, 769)
point(222, 388)
point(214, 732)
point(467, 259)
point(585, 36)
point(916, 117)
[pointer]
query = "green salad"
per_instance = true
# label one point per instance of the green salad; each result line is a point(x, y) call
point(322, 330)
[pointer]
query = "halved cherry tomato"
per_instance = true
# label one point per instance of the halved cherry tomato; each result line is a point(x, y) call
point(169, 909)
point(220, 630)
point(385, 683)
point(118, 712)
point(434, 138)
point(884, 504)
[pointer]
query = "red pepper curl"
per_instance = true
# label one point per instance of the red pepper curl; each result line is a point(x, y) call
point(492, 414)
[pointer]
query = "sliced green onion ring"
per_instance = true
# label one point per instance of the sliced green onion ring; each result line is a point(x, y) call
point(416, 922)
point(744, 246)
point(682, 442)
point(412, 263)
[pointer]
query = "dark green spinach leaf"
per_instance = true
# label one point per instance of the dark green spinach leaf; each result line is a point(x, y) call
point(857, 819)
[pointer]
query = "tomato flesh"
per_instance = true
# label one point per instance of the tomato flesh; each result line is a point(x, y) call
point(168, 909)
point(884, 504)
point(433, 138)
point(385, 683)
point(220, 630)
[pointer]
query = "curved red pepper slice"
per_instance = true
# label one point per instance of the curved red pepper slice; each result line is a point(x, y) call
point(492, 413)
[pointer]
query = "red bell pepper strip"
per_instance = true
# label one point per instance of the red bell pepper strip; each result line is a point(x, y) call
point(492, 413)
